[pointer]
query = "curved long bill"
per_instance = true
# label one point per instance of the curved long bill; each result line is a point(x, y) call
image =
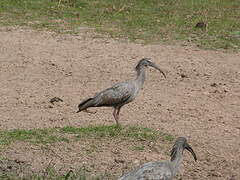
point(188, 147)
point(154, 66)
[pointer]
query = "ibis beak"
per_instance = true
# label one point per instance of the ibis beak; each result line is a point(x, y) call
point(154, 66)
point(188, 147)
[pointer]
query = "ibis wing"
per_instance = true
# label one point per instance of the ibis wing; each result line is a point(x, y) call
point(117, 95)
point(151, 171)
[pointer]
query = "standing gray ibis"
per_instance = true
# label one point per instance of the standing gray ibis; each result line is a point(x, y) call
point(120, 93)
point(165, 170)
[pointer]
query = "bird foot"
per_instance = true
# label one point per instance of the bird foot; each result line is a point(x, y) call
point(118, 125)
point(117, 122)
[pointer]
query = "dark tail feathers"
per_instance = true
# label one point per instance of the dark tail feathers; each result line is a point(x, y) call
point(85, 104)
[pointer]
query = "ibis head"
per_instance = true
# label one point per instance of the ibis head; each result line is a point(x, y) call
point(145, 62)
point(180, 145)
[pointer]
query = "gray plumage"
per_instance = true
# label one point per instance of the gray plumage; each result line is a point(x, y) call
point(161, 170)
point(120, 93)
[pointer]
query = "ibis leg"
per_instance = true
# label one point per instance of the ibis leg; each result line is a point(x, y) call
point(117, 114)
point(118, 111)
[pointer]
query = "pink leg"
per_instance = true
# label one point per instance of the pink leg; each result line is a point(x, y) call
point(114, 115)
point(117, 114)
point(118, 111)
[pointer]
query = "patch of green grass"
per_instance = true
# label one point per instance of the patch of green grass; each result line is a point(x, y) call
point(141, 133)
point(147, 20)
point(138, 139)
point(94, 131)
point(35, 136)
point(51, 174)
point(137, 133)
point(168, 137)
point(52, 135)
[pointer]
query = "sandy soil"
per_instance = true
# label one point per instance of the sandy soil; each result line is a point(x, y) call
point(200, 98)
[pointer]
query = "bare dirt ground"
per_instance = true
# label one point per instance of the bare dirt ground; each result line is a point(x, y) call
point(200, 99)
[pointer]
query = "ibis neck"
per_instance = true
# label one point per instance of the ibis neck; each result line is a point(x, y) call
point(177, 161)
point(140, 76)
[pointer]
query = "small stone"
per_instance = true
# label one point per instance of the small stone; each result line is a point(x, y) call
point(50, 106)
point(201, 25)
point(136, 162)
point(183, 75)
point(55, 99)
point(213, 84)
point(119, 161)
